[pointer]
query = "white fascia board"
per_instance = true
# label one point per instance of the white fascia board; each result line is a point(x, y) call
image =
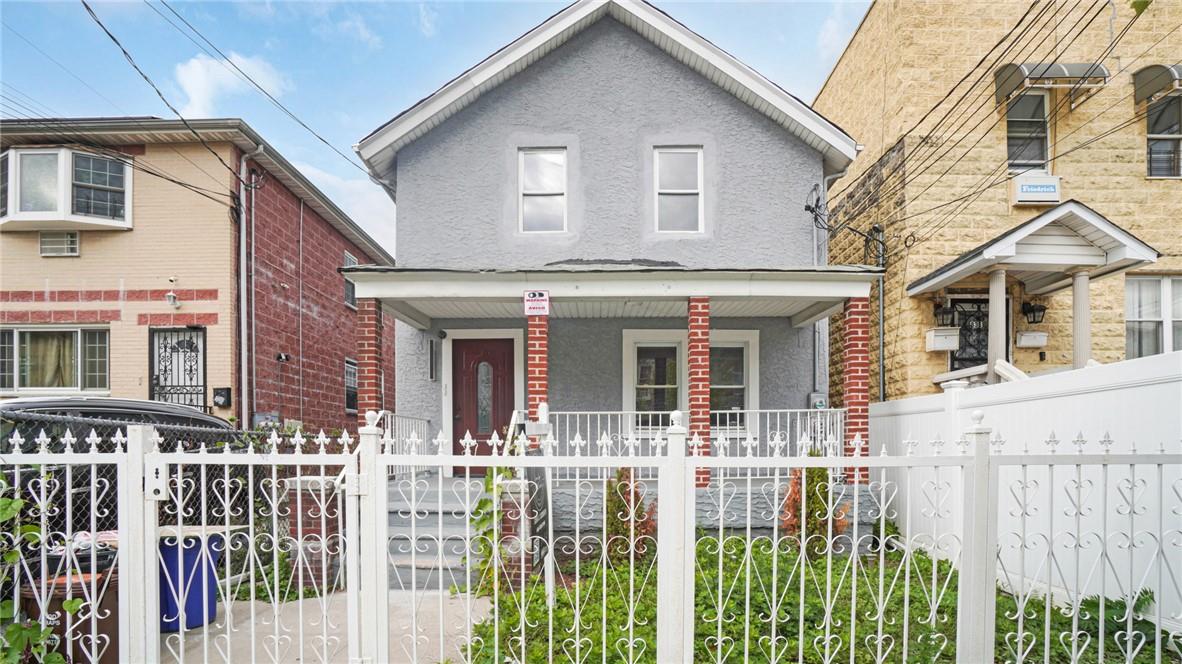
point(391, 136)
point(576, 285)
point(952, 276)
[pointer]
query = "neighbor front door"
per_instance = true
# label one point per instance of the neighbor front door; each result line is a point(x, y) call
point(482, 390)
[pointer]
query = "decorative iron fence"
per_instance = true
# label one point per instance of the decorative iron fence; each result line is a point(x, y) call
point(324, 550)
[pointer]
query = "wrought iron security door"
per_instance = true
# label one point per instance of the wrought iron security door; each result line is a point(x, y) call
point(178, 366)
point(972, 317)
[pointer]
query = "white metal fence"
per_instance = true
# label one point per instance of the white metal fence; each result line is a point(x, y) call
point(322, 550)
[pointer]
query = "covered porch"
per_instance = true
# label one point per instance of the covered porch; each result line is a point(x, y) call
point(1068, 246)
point(618, 347)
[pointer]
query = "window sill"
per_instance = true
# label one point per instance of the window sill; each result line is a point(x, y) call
point(350, 411)
point(54, 221)
point(53, 392)
point(1163, 177)
point(350, 306)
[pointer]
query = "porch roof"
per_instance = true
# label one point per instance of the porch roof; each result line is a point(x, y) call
point(1045, 251)
point(599, 290)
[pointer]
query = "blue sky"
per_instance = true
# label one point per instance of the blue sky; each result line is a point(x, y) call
point(344, 68)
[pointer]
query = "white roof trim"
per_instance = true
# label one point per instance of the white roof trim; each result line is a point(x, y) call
point(1122, 251)
point(718, 65)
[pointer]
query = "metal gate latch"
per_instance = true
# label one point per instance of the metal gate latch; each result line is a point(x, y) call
point(155, 478)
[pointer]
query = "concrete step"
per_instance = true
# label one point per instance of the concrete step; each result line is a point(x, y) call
point(426, 571)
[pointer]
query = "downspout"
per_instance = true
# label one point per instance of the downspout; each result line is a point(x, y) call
point(254, 194)
point(300, 320)
point(243, 352)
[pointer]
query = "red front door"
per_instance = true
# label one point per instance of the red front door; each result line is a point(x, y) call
point(482, 396)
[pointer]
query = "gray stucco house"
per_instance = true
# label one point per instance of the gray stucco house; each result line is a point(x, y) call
point(648, 189)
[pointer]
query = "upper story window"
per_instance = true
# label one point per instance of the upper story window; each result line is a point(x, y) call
point(1164, 131)
point(56, 188)
point(350, 288)
point(542, 181)
point(678, 176)
point(1153, 315)
point(1027, 132)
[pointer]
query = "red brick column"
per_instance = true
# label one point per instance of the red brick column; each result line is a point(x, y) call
point(698, 362)
point(856, 380)
point(537, 363)
point(369, 357)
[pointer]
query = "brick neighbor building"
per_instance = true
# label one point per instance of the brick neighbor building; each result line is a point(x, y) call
point(124, 247)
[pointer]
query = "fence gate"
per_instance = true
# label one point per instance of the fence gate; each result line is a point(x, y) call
point(177, 363)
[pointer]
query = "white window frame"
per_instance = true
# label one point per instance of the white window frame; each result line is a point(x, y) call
point(1168, 315)
point(65, 191)
point(522, 193)
point(350, 260)
point(1151, 137)
point(1046, 111)
point(350, 362)
point(77, 244)
point(657, 191)
point(80, 369)
point(632, 339)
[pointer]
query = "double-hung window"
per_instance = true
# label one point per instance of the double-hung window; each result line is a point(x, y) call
point(728, 385)
point(1153, 315)
point(542, 181)
point(1027, 132)
point(1164, 132)
point(350, 385)
point(350, 288)
point(677, 172)
point(54, 359)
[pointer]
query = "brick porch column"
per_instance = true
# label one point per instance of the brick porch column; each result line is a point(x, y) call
point(698, 361)
point(856, 381)
point(537, 363)
point(369, 357)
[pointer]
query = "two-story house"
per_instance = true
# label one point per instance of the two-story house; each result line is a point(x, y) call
point(1025, 167)
point(146, 258)
point(607, 216)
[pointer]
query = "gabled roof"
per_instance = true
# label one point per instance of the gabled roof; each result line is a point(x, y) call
point(1043, 252)
point(380, 147)
point(131, 130)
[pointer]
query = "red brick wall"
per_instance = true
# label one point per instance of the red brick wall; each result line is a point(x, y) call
point(537, 362)
point(856, 377)
point(311, 386)
point(698, 364)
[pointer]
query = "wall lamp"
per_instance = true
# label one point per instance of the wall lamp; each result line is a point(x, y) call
point(1033, 312)
point(945, 314)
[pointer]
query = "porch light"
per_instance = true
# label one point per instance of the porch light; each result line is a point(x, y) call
point(1033, 312)
point(944, 315)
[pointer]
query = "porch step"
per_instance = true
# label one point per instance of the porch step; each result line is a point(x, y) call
point(426, 571)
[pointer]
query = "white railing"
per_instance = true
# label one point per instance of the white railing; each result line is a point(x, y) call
point(408, 435)
point(960, 551)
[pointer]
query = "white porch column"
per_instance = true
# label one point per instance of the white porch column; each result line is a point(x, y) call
point(1081, 319)
point(997, 320)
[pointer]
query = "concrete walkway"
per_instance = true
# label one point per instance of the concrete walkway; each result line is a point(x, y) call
point(276, 636)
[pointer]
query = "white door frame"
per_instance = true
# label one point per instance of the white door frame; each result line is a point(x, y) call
point(445, 378)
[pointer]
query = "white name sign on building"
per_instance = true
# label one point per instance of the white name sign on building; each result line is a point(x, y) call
point(537, 303)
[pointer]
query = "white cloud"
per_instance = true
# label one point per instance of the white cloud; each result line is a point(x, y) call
point(426, 22)
point(205, 80)
point(834, 32)
point(355, 26)
point(361, 199)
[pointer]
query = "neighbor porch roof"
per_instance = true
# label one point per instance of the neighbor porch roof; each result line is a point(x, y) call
point(1044, 252)
point(803, 295)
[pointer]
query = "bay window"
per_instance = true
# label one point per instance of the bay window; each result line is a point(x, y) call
point(54, 359)
point(1153, 315)
point(1164, 133)
point(63, 189)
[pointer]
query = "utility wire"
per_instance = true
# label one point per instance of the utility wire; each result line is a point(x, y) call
point(226, 60)
point(160, 94)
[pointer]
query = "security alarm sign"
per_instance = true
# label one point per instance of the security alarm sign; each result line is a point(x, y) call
point(537, 303)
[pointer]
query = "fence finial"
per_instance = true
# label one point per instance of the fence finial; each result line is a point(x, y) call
point(371, 418)
point(675, 418)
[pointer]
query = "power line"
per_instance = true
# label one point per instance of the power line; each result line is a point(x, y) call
point(227, 60)
point(160, 94)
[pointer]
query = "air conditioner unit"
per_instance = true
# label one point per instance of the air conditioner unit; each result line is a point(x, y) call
point(943, 338)
point(1035, 189)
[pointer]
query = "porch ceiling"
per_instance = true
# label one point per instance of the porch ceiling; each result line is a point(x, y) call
point(802, 296)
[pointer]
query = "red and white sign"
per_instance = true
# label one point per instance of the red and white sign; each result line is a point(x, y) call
point(537, 303)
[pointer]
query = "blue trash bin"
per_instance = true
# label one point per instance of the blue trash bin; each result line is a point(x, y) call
point(197, 582)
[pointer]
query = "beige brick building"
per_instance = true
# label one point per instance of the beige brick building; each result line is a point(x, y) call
point(121, 271)
point(1085, 137)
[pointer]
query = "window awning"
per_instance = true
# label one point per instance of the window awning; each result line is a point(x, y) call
point(1044, 252)
point(1156, 80)
point(1016, 77)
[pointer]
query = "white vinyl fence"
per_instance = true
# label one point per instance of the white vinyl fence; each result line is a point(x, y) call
point(298, 549)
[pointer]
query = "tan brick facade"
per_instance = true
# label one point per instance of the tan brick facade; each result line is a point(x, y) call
point(905, 57)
